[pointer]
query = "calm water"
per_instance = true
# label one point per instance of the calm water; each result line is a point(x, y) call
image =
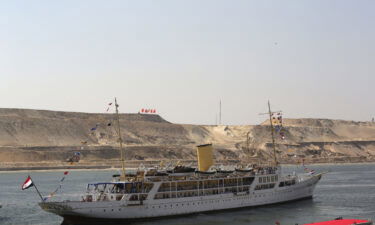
point(347, 191)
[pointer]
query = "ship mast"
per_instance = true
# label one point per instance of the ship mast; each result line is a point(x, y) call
point(272, 134)
point(120, 141)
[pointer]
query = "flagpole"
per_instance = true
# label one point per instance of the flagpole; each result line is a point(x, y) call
point(120, 140)
point(36, 189)
point(272, 134)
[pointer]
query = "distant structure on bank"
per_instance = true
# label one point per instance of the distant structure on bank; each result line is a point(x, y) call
point(147, 111)
point(220, 112)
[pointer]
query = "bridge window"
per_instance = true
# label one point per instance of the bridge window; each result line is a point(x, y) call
point(264, 186)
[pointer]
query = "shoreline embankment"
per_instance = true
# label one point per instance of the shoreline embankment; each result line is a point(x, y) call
point(135, 164)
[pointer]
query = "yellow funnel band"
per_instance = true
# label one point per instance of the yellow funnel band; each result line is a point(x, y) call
point(205, 157)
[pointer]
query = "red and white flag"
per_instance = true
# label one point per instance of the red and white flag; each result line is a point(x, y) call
point(28, 183)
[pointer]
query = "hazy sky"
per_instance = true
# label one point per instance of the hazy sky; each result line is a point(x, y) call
point(310, 58)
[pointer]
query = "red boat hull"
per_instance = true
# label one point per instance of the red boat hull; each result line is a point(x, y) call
point(343, 222)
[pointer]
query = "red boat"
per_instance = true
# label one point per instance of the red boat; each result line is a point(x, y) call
point(343, 222)
point(339, 221)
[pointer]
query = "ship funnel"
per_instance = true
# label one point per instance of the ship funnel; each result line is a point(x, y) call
point(205, 157)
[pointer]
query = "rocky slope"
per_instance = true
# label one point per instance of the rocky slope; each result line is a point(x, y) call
point(36, 137)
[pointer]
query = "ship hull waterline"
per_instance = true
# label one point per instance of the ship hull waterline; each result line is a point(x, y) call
point(80, 220)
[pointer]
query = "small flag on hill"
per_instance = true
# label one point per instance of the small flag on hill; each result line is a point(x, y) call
point(94, 128)
point(109, 106)
point(28, 183)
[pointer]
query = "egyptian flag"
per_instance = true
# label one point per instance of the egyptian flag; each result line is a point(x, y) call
point(28, 183)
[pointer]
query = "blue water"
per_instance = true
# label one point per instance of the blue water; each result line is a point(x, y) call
point(347, 191)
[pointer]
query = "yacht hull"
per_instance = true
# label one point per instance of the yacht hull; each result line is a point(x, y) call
point(80, 220)
point(120, 211)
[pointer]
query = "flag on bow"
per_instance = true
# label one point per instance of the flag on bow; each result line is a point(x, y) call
point(28, 183)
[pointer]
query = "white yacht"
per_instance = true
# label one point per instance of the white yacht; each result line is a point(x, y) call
point(178, 194)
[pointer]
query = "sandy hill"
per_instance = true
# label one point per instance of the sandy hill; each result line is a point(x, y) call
point(37, 136)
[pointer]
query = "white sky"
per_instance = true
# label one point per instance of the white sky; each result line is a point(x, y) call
point(310, 58)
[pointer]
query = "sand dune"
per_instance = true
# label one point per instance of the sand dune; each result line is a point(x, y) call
point(40, 136)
